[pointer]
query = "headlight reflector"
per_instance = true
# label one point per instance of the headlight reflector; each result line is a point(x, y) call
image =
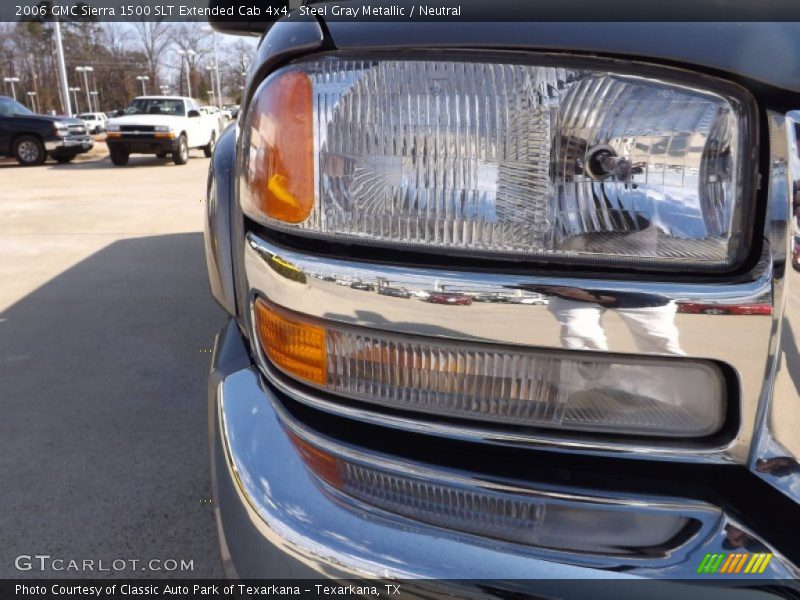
point(540, 161)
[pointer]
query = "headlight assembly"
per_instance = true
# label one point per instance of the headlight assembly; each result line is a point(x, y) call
point(560, 159)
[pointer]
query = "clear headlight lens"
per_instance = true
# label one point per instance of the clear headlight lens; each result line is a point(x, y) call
point(543, 161)
point(163, 128)
point(494, 384)
point(112, 127)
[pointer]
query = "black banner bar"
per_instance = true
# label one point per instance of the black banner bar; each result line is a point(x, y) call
point(708, 588)
point(405, 11)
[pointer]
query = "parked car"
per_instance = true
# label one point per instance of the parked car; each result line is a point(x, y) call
point(493, 297)
point(418, 293)
point(625, 167)
point(31, 138)
point(95, 121)
point(360, 285)
point(530, 300)
point(449, 298)
point(161, 125)
point(395, 292)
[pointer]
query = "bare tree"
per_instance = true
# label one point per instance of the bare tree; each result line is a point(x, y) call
point(192, 39)
point(235, 61)
point(154, 37)
point(117, 38)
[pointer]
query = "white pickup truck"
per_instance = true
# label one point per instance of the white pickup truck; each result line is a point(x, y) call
point(161, 125)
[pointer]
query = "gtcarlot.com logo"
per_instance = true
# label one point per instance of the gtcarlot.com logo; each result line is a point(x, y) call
point(733, 562)
point(46, 562)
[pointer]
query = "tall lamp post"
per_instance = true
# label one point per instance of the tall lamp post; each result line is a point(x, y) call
point(75, 91)
point(143, 78)
point(187, 54)
point(12, 81)
point(86, 70)
point(62, 69)
point(95, 93)
point(214, 91)
point(216, 65)
point(32, 96)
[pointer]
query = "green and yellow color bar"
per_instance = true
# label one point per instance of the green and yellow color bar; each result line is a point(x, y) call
point(731, 563)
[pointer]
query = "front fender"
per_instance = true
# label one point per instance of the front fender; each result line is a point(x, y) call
point(217, 231)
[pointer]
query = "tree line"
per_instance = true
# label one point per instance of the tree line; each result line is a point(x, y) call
point(119, 53)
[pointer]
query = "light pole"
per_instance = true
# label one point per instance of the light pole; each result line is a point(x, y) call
point(74, 91)
point(95, 93)
point(187, 54)
point(216, 65)
point(214, 93)
point(12, 81)
point(143, 78)
point(32, 96)
point(86, 70)
point(62, 69)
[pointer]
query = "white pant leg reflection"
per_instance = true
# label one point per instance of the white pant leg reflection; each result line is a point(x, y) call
point(653, 328)
point(580, 324)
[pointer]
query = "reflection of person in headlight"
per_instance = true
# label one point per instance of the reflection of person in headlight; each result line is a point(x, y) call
point(649, 317)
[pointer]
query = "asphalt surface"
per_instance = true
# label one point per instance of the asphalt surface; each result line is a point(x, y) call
point(106, 325)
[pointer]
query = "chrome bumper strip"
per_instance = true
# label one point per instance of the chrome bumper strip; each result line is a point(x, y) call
point(323, 287)
point(83, 142)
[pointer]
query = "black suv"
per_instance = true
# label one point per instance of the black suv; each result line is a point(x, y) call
point(29, 137)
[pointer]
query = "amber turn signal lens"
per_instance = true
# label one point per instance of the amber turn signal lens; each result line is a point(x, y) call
point(280, 175)
point(296, 347)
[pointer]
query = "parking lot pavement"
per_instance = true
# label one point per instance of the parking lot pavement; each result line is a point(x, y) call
point(106, 323)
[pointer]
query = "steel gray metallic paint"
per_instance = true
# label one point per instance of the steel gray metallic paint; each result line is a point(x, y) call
point(258, 476)
point(218, 230)
point(765, 52)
